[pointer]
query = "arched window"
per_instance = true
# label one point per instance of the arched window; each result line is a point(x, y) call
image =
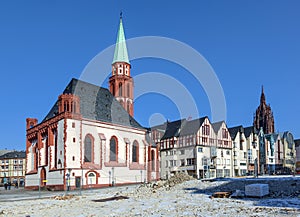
point(153, 160)
point(113, 89)
point(128, 90)
point(91, 178)
point(72, 106)
point(135, 151)
point(113, 146)
point(120, 89)
point(66, 106)
point(88, 148)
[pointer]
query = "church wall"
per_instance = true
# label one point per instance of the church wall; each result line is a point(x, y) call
point(29, 160)
point(73, 141)
point(120, 171)
point(60, 143)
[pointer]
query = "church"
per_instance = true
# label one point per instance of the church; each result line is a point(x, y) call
point(90, 138)
point(276, 149)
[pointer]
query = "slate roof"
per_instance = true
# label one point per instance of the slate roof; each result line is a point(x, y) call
point(172, 129)
point(13, 155)
point(217, 125)
point(2, 152)
point(191, 127)
point(96, 103)
point(182, 127)
point(234, 130)
point(249, 130)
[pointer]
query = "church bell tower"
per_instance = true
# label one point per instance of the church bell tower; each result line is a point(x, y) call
point(120, 82)
point(263, 117)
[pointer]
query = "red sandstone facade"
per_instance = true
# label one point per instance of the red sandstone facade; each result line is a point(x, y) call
point(264, 116)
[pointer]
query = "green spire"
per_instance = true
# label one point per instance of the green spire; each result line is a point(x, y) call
point(121, 54)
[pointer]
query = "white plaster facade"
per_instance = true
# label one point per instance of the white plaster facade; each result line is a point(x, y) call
point(198, 150)
point(67, 166)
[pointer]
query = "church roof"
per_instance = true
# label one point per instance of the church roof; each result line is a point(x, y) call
point(121, 54)
point(96, 103)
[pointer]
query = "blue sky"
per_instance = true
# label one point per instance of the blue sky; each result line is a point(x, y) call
point(43, 44)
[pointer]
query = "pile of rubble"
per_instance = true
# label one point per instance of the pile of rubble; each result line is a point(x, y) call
point(176, 179)
point(64, 197)
point(161, 185)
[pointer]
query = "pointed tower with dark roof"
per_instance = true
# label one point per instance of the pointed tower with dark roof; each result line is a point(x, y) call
point(263, 117)
point(121, 83)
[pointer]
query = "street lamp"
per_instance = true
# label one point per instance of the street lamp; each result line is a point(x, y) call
point(68, 179)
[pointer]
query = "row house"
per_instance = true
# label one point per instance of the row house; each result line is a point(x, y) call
point(222, 161)
point(251, 137)
point(289, 152)
point(281, 153)
point(239, 150)
point(245, 150)
point(196, 147)
point(12, 168)
point(267, 153)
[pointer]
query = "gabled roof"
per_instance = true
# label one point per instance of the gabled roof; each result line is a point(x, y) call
point(161, 127)
point(275, 136)
point(96, 103)
point(249, 130)
point(173, 129)
point(234, 130)
point(121, 54)
point(217, 125)
point(271, 136)
point(288, 136)
point(191, 127)
point(14, 155)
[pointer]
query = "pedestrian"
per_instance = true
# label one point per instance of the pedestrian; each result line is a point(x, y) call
point(9, 185)
point(5, 185)
point(16, 185)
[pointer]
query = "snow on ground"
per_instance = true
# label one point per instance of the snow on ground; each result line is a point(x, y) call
point(180, 200)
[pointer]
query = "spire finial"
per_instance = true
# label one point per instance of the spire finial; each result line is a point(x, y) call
point(262, 97)
point(121, 54)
